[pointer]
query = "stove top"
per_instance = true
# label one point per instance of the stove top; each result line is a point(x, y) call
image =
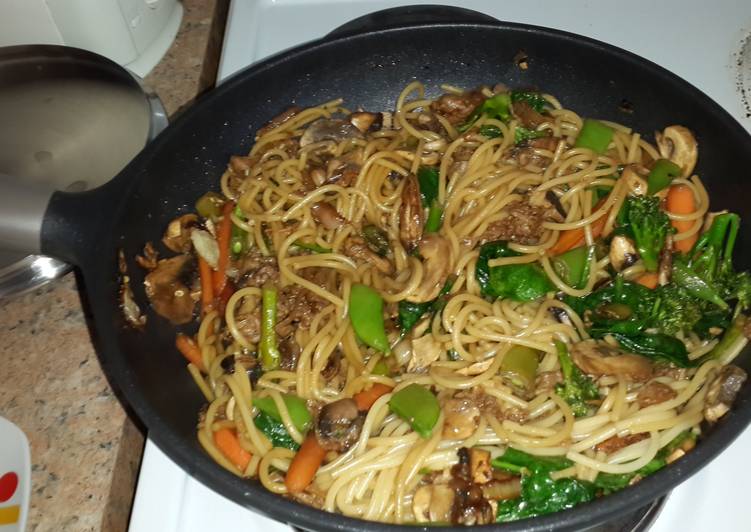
point(706, 43)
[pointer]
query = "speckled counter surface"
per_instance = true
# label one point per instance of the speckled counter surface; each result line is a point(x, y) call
point(85, 450)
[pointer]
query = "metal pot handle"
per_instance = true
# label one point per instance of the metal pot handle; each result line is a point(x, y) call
point(22, 208)
point(409, 15)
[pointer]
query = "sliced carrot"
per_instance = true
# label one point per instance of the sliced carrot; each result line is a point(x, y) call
point(573, 238)
point(681, 200)
point(648, 279)
point(227, 442)
point(207, 285)
point(366, 398)
point(222, 299)
point(223, 236)
point(304, 465)
point(190, 350)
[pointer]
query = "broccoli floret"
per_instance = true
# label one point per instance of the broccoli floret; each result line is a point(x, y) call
point(576, 387)
point(676, 311)
point(649, 226)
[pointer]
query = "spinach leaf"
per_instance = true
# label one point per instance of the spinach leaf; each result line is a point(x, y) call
point(520, 282)
point(275, 431)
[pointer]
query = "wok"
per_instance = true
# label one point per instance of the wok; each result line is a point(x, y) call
point(367, 64)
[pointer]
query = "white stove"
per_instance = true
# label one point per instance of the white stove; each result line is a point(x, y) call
point(706, 43)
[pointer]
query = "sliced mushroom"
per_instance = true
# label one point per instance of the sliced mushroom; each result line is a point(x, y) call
point(339, 425)
point(366, 122)
point(150, 257)
point(479, 465)
point(131, 310)
point(633, 177)
point(341, 173)
point(168, 293)
point(598, 359)
point(290, 351)
point(411, 213)
point(461, 418)
point(425, 351)
point(327, 215)
point(206, 246)
point(433, 503)
point(622, 253)
point(501, 490)
point(722, 391)
point(177, 235)
point(678, 144)
point(436, 254)
point(329, 129)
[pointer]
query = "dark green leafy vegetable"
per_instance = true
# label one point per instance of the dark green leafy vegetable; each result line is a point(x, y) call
point(695, 285)
point(662, 173)
point(649, 226)
point(418, 406)
point(522, 134)
point(576, 388)
point(655, 346)
point(492, 132)
point(410, 313)
point(267, 346)
point(542, 495)
point(516, 461)
point(534, 99)
point(275, 431)
point(311, 246)
point(366, 316)
point(376, 239)
point(595, 136)
point(520, 282)
point(435, 216)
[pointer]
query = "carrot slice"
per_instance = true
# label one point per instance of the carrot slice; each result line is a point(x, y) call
point(207, 286)
point(223, 236)
point(304, 465)
point(190, 350)
point(366, 398)
point(648, 279)
point(227, 442)
point(573, 238)
point(680, 200)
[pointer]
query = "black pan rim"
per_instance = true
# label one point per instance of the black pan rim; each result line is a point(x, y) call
point(256, 497)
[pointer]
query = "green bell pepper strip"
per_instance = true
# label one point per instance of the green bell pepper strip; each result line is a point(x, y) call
point(595, 136)
point(519, 366)
point(298, 410)
point(498, 107)
point(275, 431)
point(662, 173)
point(210, 205)
point(366, 316)
point(435, 215)
point(418, 406)
point(267, 347)
point(573, 266)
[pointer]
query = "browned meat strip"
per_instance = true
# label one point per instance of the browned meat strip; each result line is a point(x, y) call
point(356, 248)
point(527, 116)
point(616, 443)
point(167, 289)
point(522, 224)
point(654, 393)
point(457, 107)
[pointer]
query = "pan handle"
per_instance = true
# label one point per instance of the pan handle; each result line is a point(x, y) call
point(409, 15)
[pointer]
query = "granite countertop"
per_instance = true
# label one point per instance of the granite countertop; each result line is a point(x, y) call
point(85, 450)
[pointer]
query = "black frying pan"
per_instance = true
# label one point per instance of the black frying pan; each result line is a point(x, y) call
point(367, 65)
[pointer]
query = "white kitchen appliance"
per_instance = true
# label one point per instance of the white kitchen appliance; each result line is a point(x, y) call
point(706, 43)
point(133, 33)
